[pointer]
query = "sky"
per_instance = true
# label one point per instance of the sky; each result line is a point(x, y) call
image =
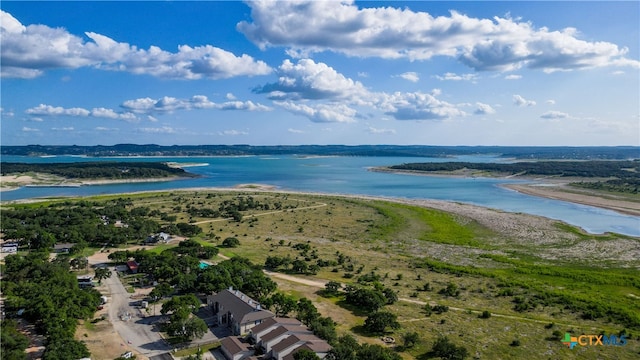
point(320, 72)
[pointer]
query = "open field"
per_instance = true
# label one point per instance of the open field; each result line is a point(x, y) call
point(534, 275)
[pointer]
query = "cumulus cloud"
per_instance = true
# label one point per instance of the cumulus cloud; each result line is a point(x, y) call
point(29, 50)
point(102, 128)
point(372, 130)
point(455, 77)
point(310, 80)
point(417, 106)
point(324, 95)
point(48, 110)
point(168, 104)
point(321, 113)
point(295, 131)
point(513, 77)
point(500, 44)
point(520, 101)
point(551, 115)
point(410, 76)
point(484, 109)
point(28, 129)
point(550, 102)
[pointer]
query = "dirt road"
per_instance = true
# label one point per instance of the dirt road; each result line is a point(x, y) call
point(130, 322)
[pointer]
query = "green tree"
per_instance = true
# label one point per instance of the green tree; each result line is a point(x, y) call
point(12, 342)
point(281, 304)
point(195, 327)
point(231, 242)
point(102, 273)
point(332, 287)
point(161, 290)
point(65, 349)
point(445, 349)
point(305, 354)
point(410, 339)
point(379, 321)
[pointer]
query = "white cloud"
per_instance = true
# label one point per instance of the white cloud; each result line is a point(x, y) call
point(555, 115)
point(321, 113)
point(295, 131)
point(550, 102)
point(417, 106)
point(70, 128)
point(232, 133)
point(230, 96)
point(6, 113)
point(48, 110)
point(102, 128)
point(410, 76)
point(169, 104)
point(456, 77)
point(363, 74)
point(501, 44)
point(28, 50)
point(513, 77)
point(484, 109)
point(28, 129)
point(372, 130)
point(520, 101)
point(310, 80)
point(157, 130)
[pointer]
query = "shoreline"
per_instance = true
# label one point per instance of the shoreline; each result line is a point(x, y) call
point(545, 187)
point(18, 181)
point(559, 192)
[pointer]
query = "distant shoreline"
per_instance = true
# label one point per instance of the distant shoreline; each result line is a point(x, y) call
point(548, 188)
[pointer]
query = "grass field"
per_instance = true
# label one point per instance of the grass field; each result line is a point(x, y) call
point(528, 293)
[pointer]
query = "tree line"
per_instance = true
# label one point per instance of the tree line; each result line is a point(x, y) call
point(111, 170)
point(604, 169)
point(49, 297)
point(519, 152)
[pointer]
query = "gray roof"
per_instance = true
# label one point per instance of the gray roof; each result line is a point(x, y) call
point(313, 342)
point(281, 329)
point(266, 324)
point(243, 308)
point(233, 345)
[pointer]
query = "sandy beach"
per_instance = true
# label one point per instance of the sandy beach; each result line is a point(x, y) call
point(13, 182)
point(579, 196)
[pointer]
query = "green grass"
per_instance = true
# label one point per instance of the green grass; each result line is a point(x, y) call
point(425, 245)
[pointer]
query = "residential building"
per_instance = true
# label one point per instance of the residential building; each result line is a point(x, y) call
point(237, 311)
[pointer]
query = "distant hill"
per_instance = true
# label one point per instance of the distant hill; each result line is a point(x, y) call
point(526, 152)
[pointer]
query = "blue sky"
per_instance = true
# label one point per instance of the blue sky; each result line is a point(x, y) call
point(323, 72)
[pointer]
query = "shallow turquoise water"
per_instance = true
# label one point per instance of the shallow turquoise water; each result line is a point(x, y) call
point(348, 175)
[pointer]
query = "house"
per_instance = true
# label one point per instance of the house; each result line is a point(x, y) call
point(234, 349)
point(280, 333)
point(237, 311)
point(269, 324)
point(291, 344)
point(132, 266)
point(63, 248)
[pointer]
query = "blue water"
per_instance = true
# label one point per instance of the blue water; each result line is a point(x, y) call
point(347, 175)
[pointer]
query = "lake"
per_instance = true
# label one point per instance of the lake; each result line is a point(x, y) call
point(346, 175)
